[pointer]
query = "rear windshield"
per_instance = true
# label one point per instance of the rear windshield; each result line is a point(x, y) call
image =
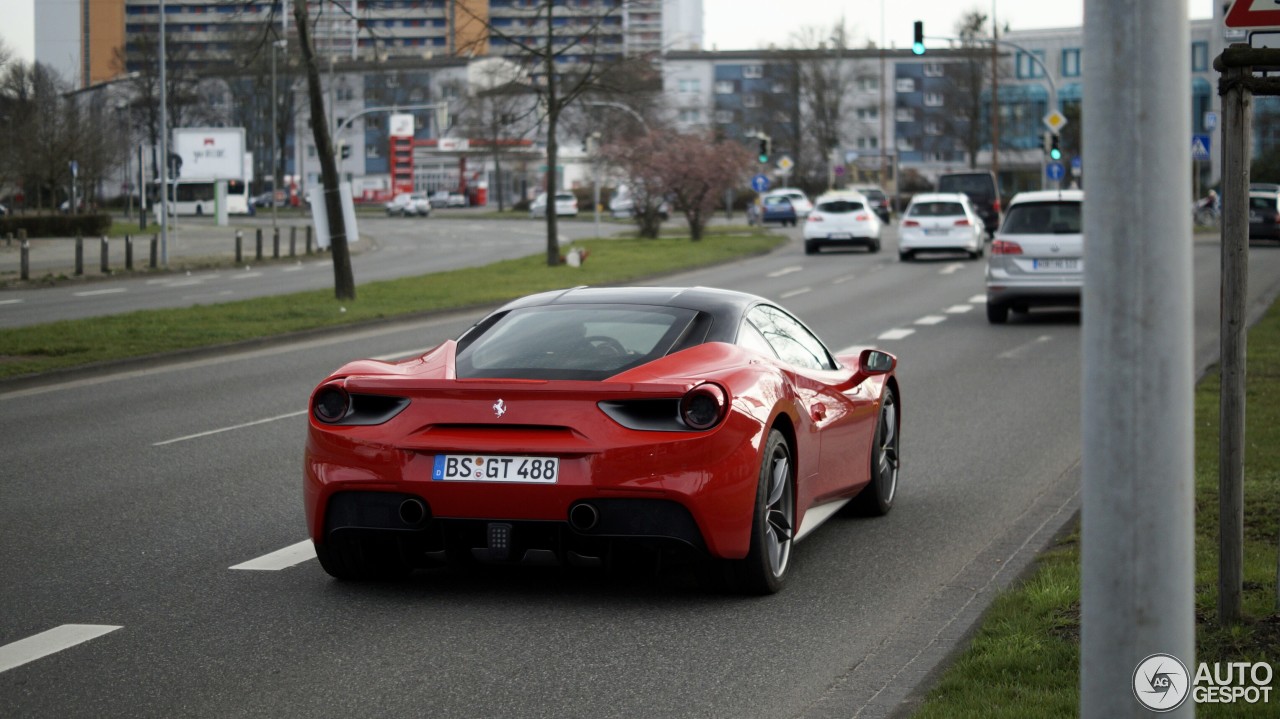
point(873, 194)
point(579, 342)
point(1262, 203)
point(564, 198)
point(839, 206)
point(1043, 218)
point(971, 185)
point(777, 200)
point(936, 209)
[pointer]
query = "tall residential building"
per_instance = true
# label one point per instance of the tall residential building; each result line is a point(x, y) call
point(84, 39)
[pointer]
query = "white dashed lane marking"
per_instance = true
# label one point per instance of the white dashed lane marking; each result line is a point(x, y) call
point(10, 302)
point(796, 292)
point(785, 271)
point(842, 280)
point(895, 334)
point(931, 320)
point(281, 558)
point(94, 293)
point(1024, 348)
point(978, 300)
point(957, 309)
point(49, 642)
point(951, 268)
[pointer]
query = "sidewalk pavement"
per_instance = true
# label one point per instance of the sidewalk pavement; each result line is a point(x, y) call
point(192, 242)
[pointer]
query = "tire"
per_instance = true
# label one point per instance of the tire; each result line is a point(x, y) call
point(764, 569)
point(874, 247)
point(876, 499)
point(810, 248)
point(363, 559)
point(974, 254)
point(997, 313)
point(906, 256)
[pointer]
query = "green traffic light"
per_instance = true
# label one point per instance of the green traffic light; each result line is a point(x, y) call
point(764, 159)
point(1055, 153)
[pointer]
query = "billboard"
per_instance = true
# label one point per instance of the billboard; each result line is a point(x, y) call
point(401, 125)
point(209, 153)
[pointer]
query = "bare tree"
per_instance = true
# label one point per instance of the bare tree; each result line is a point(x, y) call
point(639, 159)
point(696, 173)
point(33, 96)
point(825, 86)
point(565, 61)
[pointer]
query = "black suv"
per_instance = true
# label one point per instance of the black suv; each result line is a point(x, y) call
point(983, 193)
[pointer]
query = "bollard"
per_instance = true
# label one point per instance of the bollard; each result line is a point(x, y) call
point(8, 239)
point(275, 243)
point(293, 241)
point(106, 265)
point(128, 253)
point(79, 255)
point(239, 246)
point(26, 259)
point(155, 248)
point(259, 253)
point(308, 239)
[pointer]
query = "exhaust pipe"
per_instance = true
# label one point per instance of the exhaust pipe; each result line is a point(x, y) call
point(413, 511)
point(584, 517)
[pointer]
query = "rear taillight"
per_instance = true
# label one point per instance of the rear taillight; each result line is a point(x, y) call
point(862, 218)
point(815, 218)
point(910, 223)
point(995, 205)
point(962, 222)
point(1005, 247)
point(703, 407)
point(331, 404)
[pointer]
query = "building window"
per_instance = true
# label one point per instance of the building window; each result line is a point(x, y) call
point(933, 69)
point(906, 84)
point(690, 116)
point(868, 113)
point(933, 127)
point(724, 116)
point(905, 145)
point(933, 99)
point(1028, 67)
point(724, 87)
point(778, 88)
point(905, 114)
point(752, 71)
point(751, 100)
point(868, 84)
point(690, 87)
point(1199, 56)
point(868, 143)
point(1071, 62)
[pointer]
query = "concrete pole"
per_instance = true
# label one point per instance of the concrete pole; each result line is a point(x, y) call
point(1137, 574)
point(164, 151)
point(1237, 112)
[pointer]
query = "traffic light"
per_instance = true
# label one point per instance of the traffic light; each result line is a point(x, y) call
point(764, 151)
point(346, 151)
point(917, 45)
point(1055, 152)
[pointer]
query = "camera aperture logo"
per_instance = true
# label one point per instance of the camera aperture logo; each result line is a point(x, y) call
point(1161, 682)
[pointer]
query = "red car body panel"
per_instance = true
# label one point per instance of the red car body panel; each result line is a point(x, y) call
point(829, 417)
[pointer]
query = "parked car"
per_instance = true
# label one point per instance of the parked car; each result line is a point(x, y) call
point(842, 219)
point(622, 205)
point(409, 205)
point(943, 222)
point(440, 198)
point(1037, 257)
point(776, 208)
point(456, 199)
point(876, 199)
point(1264, 215)
point(566, 205)
point(983, 191)
point(539, 436)
point(799, 200)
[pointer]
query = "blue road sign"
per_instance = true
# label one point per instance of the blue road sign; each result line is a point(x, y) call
point(1055, 171)
point(760, 183)
point(1200, 147)
point(1077, 164)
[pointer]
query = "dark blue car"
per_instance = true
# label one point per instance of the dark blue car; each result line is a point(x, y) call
point(777, 208)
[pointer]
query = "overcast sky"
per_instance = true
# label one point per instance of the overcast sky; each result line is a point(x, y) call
point(751, 24)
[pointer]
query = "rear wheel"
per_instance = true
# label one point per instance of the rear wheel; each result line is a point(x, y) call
point(877, 498)
point(764, 569)
point(906, 255)
point(874, 246)
point(997, 313)
point(810, 248)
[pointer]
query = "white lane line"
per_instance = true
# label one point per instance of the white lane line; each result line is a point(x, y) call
point(951, 268)
point(187, 283)
point(978, 300)
point(292, 268)
point(206, 296)
point(795, 292)
point(281, 558)
point(93, 293)
point(1022, 349)
point(9, 302)
point(49, 642)
point(220, 430)
point(785, 271)
point(931, 320)
point(957, 309)
point(842, 280)
point(245, 275)
point(895, 334)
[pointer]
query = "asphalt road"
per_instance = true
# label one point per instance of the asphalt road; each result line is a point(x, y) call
point(130, 497)
point(401, 247)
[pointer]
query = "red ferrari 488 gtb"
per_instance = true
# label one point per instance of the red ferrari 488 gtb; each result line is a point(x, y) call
point(568, 426)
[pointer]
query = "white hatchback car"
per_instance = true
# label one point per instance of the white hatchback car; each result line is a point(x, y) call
point(566, 205)
point(1037, 257)
point(842, 218)
point(942, 222)
point(799, 200)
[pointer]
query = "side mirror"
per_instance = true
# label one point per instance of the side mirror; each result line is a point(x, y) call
point(871, 362)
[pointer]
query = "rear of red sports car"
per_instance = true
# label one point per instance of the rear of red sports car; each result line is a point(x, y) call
point(407, 465)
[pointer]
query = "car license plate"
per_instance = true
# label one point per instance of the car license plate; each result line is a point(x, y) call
point(839, 236)
point(936, 231)
point(1066, 265)
point(487, 468)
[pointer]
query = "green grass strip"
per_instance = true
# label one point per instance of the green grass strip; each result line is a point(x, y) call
point(1024, 660)
point(40, 348)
